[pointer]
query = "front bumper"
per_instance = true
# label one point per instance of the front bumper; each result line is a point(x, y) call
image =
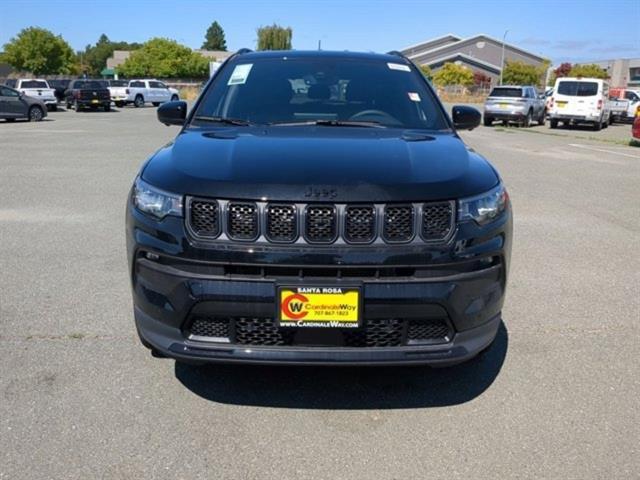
point(462, 282)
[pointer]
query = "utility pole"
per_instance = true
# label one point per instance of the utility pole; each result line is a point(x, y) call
point(502, 61)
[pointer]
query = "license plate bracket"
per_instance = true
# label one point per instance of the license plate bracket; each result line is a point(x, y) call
point(319, 306)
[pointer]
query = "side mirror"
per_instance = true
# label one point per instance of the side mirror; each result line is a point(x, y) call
point(465, 118)
point(172, 113)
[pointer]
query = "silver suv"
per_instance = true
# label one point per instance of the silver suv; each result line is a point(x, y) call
point(512, 103)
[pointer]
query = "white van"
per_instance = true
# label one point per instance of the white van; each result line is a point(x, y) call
point(580, 100)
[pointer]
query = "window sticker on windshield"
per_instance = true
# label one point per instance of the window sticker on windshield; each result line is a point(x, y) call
point(399, 66)
point(414, 96)
point(240, 74)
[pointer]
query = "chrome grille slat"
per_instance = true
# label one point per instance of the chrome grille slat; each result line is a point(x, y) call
point(297, 223)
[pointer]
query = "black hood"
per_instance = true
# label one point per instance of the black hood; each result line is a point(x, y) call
point(338, 163)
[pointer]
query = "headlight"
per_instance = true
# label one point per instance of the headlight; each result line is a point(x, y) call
point(155, 202)
point(484, 208)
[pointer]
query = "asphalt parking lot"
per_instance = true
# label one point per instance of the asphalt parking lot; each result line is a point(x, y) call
point(555, 397)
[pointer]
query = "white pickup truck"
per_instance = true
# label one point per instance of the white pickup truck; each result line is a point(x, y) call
point(625, 107)
point(38, 88)
point(142, 91)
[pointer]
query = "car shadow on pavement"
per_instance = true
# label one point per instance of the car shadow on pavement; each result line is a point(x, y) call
point(346, 388)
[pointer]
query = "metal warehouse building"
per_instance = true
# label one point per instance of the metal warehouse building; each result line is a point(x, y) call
point(480, 53)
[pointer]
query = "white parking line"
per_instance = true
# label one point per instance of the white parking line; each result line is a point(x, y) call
point(577, 145)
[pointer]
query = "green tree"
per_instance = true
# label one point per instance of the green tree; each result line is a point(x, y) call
point(165, 58)
point(426, 71)
point(520, 73)
point(214, 38)
point(453, 74)
point(589, 70)
point(274, 37)
point(39, 51)
point(94, 58)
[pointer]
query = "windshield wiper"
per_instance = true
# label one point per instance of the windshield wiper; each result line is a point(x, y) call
point(330, 123)
point(227, 120)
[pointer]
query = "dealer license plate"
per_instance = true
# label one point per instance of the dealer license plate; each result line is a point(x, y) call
point(504, 105)
point(95, 101)
point(561, 104)
point(319, 307)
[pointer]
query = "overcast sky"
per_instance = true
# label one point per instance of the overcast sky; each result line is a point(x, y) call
point(560, 30)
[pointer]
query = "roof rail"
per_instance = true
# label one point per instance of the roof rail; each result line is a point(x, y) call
point(243, 50)
point(397, 54)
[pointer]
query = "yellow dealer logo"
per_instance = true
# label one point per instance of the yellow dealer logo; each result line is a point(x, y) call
point(337, 307)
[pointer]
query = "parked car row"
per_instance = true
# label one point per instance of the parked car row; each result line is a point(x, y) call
point(15, 104)
point(572, 101)
point(139, 92)
point(33, 98)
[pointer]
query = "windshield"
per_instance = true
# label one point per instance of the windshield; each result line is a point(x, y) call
point(506, 92)
point(322, 89)
point(578, 89)
point(87, 84)
point(118, 83)
point(34, 84)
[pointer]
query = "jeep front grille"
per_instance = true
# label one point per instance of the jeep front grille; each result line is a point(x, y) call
point(204, 217)
point(436, 220)
point(360, 223)
point(282, 223)
point(266, 222)
point(398, 223)
point(242, 223)
point(320, 223)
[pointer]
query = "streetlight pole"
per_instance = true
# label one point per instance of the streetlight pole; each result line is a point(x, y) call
point(502, 61)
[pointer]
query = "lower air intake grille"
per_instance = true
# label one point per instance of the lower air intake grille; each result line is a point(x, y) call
point(320, 222)
point(282, 223)
point(378, 333)
point(243, 221)
point(360, 223)
point(260, 331)
point(210, 327)
point(204, 216)
point(437, 220)
point(429, 330)
point(398, 223)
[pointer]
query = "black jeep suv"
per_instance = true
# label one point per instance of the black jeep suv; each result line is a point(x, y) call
point(318, 208)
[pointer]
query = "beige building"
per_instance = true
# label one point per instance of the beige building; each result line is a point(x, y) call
point(623, 72)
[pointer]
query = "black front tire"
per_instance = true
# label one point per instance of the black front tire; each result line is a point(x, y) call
point(488, 121)
point(155, 104)
point(77, 107)
point(52, 108)
point(35, 114)
point(597, 126)
point(139, 101)
point(553, 123)
point(542, 119)
point(119, 104)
